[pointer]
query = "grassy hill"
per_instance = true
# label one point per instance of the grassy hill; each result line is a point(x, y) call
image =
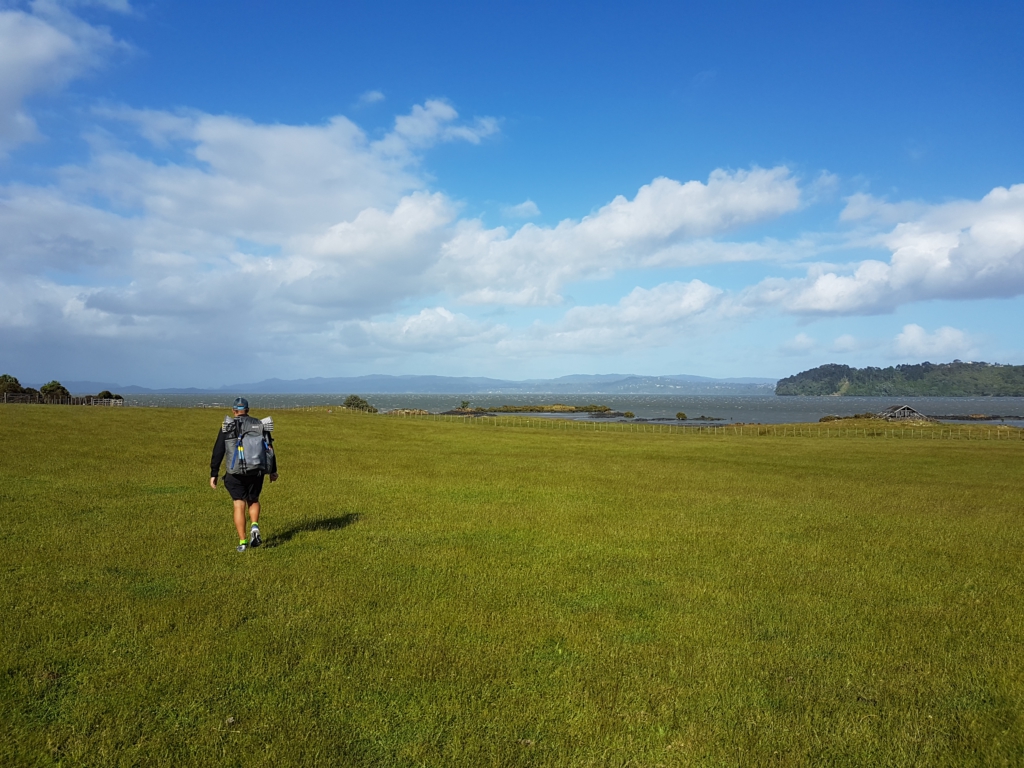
point(452, 594)
point(934, 379)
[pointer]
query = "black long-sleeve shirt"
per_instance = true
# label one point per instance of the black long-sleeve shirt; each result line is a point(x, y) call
point(220, 449)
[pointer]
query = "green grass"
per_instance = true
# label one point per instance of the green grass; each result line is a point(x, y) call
point(441, 594)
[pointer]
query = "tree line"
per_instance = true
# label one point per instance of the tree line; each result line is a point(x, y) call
point(53, 390)
point(955, 379)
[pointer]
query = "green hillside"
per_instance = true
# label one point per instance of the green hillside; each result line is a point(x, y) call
point(954, 379)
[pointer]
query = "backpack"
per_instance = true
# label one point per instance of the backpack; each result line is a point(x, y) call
point(246, 443)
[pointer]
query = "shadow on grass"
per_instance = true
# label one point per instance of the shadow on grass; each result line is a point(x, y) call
point(311, 526)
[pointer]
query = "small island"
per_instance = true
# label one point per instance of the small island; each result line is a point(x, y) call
point(465, 408)
point(955, 379)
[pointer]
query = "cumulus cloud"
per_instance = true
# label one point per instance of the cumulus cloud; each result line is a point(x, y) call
point(525, 210)
point(43, 49)
point(296, 189)
point(846, 343)
point(321, 224)
point(646, 316)
point(958, 250)
point(692, 253)
point(377, 258)
point(865, 207)
point(431, 330)
point(945, 343)
point(323, 227)
point(530, 266)
point(800, 344)
point(430, 123)
point(263, 182)
point(320, 227)
point(371, 97)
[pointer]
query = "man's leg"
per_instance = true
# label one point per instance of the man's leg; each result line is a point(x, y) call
point(240, 518)
point(254, 533)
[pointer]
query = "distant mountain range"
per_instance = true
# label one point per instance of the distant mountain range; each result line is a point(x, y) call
point(956, 379)
point(608, 384)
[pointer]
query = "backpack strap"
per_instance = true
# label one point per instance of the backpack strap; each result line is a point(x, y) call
point(230, 430)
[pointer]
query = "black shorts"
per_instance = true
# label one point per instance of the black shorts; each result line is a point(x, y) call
point(244, 487)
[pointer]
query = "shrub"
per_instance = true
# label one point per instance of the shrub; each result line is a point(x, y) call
point(10, 385)
point(356, 403)
point(54, 389)
point(629, 415)
point(681, 416)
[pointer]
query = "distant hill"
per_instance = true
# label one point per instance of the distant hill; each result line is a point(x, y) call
point(954, 379)
point(607, 384)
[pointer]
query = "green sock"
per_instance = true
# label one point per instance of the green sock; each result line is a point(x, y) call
point(255, 525)
point(243, 541)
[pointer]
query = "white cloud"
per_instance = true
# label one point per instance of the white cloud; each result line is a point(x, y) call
point(312, 224)
point(371, 97)
point(429, 124)
point(846, 343)
point(319, 228)
point(327, 228)
point(531, 265)
point(375, 259)
point(944, 344)
point(800, 344)
point(262, 182)
point(693, 253)
point(525, 210)
point(283, 186)
point(42, 50)
point(648, 317)
point(958, 250)
point(431, 330)
point(119, 6)
point(861, 206)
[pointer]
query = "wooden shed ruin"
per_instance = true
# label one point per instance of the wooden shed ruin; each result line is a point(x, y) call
point(902, 413)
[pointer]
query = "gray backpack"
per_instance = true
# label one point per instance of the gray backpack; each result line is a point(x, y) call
point(246, 443)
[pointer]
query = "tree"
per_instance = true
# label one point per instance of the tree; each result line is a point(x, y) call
point(106, 394)
point(464, 405)
point(54, 389)
point(681, 416)
point(356, 403)
point(629, 414)
point(10, 385)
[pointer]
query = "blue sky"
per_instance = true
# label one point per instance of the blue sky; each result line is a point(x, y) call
point(205, 193)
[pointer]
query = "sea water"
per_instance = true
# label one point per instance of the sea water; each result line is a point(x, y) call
point(755, 409)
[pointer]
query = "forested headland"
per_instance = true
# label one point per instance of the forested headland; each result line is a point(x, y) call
point(956, 379)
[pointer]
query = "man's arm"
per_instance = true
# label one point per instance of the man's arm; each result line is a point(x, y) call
point(219, 449)
point(273, 459)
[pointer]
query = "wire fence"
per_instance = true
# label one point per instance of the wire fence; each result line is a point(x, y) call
point(935, 431)
point(32, 399)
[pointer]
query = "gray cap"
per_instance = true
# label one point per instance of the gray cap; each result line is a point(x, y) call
point(241, 404)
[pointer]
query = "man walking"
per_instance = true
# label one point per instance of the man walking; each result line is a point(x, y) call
point(247, 448)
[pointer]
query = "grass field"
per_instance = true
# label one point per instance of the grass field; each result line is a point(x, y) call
point(439, 594)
